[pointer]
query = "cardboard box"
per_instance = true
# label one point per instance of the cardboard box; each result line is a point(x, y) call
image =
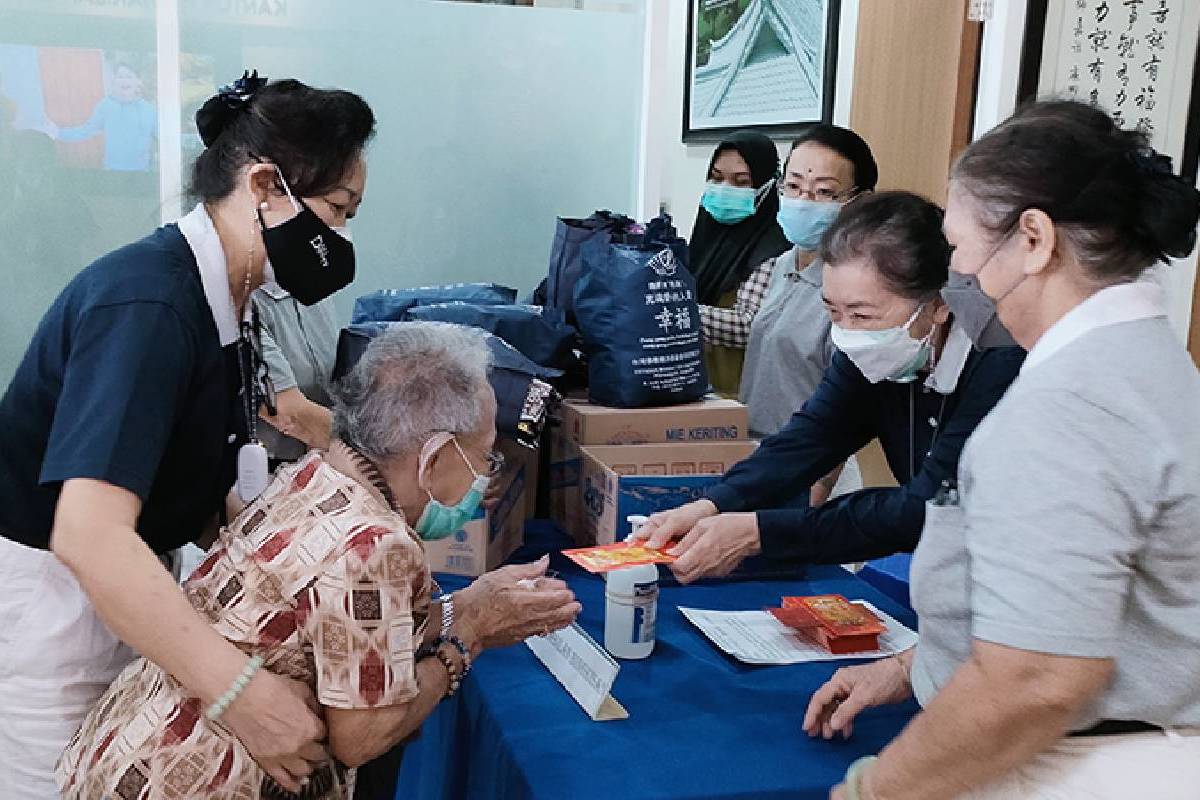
point(710, 420)
point(527, 459)
point(581, 423)
point(616, 481)
point(563, 482)
point(486, 541)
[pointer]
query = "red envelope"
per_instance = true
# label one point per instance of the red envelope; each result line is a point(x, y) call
point(606, 557)
point(832, 622)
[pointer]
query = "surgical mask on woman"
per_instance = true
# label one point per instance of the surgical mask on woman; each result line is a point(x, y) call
point(887, 355)
point(308, 259)
point(730, 205)
point(805, 221)
point(975, 312)
point(439, 520)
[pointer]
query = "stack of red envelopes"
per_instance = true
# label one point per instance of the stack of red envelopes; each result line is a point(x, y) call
point(832, 622)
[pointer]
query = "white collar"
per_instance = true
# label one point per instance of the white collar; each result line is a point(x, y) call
point(197, 228)
point(944, 378)
point(1125, 302)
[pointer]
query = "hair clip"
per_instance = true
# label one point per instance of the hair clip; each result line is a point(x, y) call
point(1151, 162)
point(239, 93)
point(219, 110)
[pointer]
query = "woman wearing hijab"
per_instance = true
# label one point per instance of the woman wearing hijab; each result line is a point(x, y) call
point(735, 232)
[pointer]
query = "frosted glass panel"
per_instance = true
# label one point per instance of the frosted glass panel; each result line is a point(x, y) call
point(78, 150)
point(493, 120)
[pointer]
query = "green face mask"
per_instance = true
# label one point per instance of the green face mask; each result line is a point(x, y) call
point(727, 204)
point(439, 520)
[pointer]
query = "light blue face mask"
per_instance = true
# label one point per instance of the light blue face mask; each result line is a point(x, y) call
point(805, 221)
point(439, 520)
point(729, 205)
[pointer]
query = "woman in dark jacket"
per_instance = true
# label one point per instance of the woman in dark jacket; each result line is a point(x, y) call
point(905, 372)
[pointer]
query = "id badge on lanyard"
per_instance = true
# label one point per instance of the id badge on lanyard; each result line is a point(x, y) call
point(253, 472)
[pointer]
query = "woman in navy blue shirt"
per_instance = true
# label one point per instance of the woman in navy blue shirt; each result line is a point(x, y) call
point(134, 406)
point(905, 372)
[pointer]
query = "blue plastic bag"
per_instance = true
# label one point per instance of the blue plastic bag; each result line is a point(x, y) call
point(540, 334)
point(570, 236)
point(637, 312)
point(391, 305)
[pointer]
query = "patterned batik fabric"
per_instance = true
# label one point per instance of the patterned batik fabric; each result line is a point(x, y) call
point(324, 582)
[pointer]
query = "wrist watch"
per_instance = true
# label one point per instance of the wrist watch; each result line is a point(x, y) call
point(447, 614)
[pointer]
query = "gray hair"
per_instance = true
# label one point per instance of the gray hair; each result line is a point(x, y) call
point(415, 379)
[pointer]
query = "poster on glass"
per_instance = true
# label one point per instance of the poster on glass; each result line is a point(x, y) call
point(764, 64)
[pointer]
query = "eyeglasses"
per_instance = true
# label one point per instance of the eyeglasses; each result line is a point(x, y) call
point(494, 458)
point(820, 194)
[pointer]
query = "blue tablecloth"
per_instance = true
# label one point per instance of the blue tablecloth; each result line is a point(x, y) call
point(701, 725)
point(890, 576)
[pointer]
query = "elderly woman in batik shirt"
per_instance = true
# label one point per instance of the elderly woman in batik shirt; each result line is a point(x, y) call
point(323, 579)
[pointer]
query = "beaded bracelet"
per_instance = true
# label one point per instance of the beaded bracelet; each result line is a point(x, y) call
point(854, 777)
point(461, 646)
point(433, 648)
point(218, 708)
point(452, 670)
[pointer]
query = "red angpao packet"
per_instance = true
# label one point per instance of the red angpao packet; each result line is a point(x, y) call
point(606, 557)
point(832, 622)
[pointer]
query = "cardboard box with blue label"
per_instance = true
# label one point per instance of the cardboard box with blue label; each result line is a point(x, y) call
point(582, 424)
point(617, 481)
point(486, 541)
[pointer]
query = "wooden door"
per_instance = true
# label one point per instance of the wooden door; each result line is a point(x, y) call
point(915, 71)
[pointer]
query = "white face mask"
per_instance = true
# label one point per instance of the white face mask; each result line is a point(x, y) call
point(887, 355)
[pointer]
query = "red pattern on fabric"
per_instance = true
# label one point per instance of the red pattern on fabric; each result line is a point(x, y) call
point(304, 607)
point(372, 677)
point(363, 543)
point(207, 564)
point(275, 544)
point(103, 746)
point(223, 772)
point(277, 628)
point(305, 475)
point(182, 723)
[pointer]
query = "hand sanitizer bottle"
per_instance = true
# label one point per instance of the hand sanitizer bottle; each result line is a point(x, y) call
point(631, 606)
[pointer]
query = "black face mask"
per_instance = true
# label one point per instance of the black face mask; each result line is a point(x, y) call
point(976, 312)
point(311, 260)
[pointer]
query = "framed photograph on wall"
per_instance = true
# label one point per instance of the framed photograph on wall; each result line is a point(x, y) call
point(763, 64)
point(1139, 60)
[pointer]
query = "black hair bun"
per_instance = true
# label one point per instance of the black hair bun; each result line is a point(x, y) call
point(219, 111)
point(1169, 206)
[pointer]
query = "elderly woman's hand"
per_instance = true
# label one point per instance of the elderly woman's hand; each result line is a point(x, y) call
point(851, 691)
point(512, 603)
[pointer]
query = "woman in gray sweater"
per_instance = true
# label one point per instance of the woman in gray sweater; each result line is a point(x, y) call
point(1057, 584)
